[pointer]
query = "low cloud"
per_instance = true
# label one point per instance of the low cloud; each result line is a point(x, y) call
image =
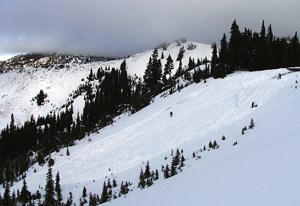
point(123, 27)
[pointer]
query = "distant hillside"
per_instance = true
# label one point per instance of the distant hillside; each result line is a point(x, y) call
point(38, 60)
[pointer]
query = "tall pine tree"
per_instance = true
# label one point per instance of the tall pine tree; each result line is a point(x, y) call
point(49, 189)
point(58, 188)
point(25, 195)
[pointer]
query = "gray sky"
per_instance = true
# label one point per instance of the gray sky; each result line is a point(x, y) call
point(122, 27)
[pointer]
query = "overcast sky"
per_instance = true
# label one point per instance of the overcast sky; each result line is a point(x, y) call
point(123, 27)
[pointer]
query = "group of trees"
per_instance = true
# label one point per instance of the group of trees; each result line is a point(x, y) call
point(22, 146)
point(252, 51)
point(52, 197)
point(114, 93)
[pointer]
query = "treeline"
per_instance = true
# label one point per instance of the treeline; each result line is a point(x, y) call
point(107, 93)
point(252, 51)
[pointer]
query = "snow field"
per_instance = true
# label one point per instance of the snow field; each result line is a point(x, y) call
point(260, 170)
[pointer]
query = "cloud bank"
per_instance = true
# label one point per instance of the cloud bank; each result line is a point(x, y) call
point(123, 27)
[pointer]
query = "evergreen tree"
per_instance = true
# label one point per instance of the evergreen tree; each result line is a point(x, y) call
point(6, 196)
point(25, 195)
point(223, 56)
point(251, 126)
point(173, 167)
point(68, 152)
point(104, 195)
point(215, 145)
point(41, 98)
point(179, 71)
point(169, 66)
point(57, 188)
point(180, 54)
point(182, 161)
point(12, 124)
point(92, 200)
point(153, 73)
point(84, 195)
point(191, 64)
point(70, 199)
point(147, 171)
point(234, 48)
point(167, 172)
point(114, 183)
point(295, 48)
point(210, 145)
point(124, 188)
point(214, 62)
point(91, 75)
point(263, 31)
point(49, 189)
point(124, 83)
point(142, 182)
point(270, 36)
point(156, 175)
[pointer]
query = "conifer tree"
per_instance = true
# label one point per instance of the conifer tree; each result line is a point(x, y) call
point(173, 167)
point(104, 194)
point(25, 195)
point(191, 64)
point(68, 152)
point(295, 47)
point(210, 145)
point(263, 31)
point(156, 175)
point(179, 71)
point(234, 47)
point(169, 66)
point(41, 98)
point(223, 56)
point(92, 200)
point(142, 182)
point(251, 126)
point(153, 74)
point(114, 183)
point(182, 161)
point(180, 54)
point(270, 36)
point(6, 196)
point(147, 171)
point(70, 199)
point(214, 62)
point(57, 188)
point(215, 145)
point(167, 172)
point(124, 188)
point(49, 189)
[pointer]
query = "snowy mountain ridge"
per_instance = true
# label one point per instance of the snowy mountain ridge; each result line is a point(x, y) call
point(59, 77)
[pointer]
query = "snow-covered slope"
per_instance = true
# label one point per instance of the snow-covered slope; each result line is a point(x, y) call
point(19, 87)
point(262, 169)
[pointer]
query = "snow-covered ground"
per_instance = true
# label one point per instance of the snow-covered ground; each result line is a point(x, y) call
point(262, 169)
point(17, 89)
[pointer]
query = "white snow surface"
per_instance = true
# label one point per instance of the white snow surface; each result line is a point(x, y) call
point(262, 169)
point(18, 88)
